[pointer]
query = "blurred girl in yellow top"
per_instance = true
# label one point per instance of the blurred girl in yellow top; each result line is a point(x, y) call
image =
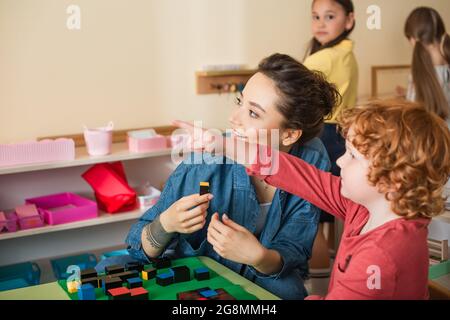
point(331, 52)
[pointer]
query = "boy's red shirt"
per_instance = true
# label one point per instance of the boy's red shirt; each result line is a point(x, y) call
point(395, 253)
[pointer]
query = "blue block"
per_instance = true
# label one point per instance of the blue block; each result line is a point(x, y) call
point(86, 292)
point(165, 275)
point(201, 270)
point(134, 283)
point(208, 293)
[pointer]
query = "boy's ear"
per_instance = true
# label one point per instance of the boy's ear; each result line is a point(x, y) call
point(291, 136)
point(350, 21)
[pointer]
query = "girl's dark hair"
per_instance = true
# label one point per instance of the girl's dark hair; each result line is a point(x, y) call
point(425, 25)
point(315, 45)
point(306, 98)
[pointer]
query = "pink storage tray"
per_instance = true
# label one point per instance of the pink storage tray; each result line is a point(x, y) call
point(65, 207)
point(142, 141)
point(37, 152)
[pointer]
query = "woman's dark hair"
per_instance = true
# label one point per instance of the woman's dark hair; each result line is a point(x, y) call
point(315, 45)
point(426, 27)
point(306, 98)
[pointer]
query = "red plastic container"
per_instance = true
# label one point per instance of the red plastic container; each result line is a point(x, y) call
point(64, 208)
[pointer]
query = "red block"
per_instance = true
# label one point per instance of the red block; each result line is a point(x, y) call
point(119, 293)
point(139, 293)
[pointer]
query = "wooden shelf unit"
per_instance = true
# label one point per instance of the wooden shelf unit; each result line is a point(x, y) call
point(208, 81)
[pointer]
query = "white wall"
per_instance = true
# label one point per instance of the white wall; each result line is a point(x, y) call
point(134, 61)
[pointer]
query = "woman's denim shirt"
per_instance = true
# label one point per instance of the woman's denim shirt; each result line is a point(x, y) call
point(290, 227)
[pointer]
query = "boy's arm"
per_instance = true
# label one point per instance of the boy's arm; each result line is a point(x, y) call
point(296, 176)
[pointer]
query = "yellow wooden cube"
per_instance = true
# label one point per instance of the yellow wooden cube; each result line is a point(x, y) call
point(148, 274)
point(72, 286)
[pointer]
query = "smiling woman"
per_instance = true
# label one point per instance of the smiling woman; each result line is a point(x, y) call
point(256, 230)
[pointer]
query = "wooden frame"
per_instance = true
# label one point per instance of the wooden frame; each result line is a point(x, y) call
point(208, 81)
point(374, 76)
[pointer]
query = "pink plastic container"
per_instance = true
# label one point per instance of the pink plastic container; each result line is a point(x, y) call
point(145, 141)
point(99, 140)
point(8, 221)
point(65, 207)
point(37, 152)
point(29, 217)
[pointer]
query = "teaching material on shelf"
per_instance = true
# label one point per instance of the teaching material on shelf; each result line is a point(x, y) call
point(111, 187)
point(228, 81)
point(145, 141)
point(102, 219)
point(99, 140)
point(8, 221)
point(148, 196)
point(29, 217)
point(37, 152)
point(64, 208)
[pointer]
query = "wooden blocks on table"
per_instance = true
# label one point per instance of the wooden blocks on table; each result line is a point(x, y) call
point(86, 292)
point(161, 263)
point(148, 273)
point(181, 274)
point(205, 294)
point(204, 188)
point(201, 274)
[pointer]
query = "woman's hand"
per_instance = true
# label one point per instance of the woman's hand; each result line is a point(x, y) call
point(213, 141)
point(233, 242)
point(202, 139)
point(186, 215)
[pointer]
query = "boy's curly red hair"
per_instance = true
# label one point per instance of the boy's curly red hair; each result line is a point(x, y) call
point(409, 151)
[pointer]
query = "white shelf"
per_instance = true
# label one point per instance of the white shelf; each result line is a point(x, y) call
point(119, 153)
point(103, 218)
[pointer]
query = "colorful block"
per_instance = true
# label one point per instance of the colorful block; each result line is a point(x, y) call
point(86, 292)
point(148, 273)
point(139, 294)
point(201, 274)
point(204, 188)
point(111, 283)
point(208, 293)
point(192, 294)
point(134, 283)
point(181, 274)
point(127, 275)
point(120, 293)
point(114, 269)
point(164, 279)
point(222, 295)
point(134, 266)
point(96, 282)
point(161, 263)
point(72, 286)
point(88, 273)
